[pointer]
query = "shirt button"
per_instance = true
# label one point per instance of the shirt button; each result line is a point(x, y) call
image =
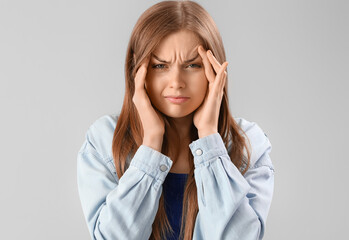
point(198, 152)
point(163, 168)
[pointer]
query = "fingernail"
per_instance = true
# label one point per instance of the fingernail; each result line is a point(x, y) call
point(210, 52)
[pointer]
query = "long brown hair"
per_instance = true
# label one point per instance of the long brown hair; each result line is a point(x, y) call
point(153, 25)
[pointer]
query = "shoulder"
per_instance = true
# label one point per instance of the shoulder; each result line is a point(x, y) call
point(260, 143)
point(100, 134)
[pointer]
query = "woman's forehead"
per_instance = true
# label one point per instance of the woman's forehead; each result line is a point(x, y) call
point(183, 44)
point(169, 55)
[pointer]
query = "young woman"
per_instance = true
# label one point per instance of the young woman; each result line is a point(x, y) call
point(174, 164)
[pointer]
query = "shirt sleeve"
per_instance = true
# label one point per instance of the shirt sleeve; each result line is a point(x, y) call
point(231, 206)
point(120, 209)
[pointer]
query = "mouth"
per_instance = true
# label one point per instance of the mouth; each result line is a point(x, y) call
point(177, 99)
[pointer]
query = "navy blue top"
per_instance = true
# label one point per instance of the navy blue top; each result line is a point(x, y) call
point(173, 188)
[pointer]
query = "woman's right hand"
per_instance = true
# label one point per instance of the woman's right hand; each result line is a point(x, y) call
point(152, 120)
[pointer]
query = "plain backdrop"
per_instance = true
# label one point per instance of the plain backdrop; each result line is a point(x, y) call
point(62, 67)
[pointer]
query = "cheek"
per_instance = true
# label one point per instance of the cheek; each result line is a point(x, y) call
point(148, 83)
point(149, 79)
point(201, 81)
point(152, 86)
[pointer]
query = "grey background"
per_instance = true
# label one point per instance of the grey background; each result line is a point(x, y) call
point(62, 67)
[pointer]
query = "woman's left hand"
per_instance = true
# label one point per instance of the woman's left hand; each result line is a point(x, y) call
point(206, 116)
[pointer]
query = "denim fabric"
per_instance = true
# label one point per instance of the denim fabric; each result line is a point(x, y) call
point(231, 205)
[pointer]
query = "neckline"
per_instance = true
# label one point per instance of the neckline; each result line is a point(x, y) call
point(172, 175)
point(178, 173)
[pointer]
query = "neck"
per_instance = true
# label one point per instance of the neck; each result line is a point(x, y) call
point(183, 126)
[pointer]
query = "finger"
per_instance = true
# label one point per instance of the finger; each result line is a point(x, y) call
point(207, 65)
point(221, 76)
point(216, 65)
point(141, 73)
point(139, 78)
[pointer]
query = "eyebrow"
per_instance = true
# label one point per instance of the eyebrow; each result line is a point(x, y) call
point(163, 61)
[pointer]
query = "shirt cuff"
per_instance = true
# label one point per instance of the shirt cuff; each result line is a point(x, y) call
point(207, 148)
point(153, 163)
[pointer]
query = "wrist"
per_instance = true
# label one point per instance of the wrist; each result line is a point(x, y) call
point(153, 141)
point(204, 133)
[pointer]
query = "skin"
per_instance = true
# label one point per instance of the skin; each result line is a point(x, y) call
point(202, 80)
point(177, 78)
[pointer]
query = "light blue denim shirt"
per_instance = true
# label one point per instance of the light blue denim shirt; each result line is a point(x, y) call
point(231, 205)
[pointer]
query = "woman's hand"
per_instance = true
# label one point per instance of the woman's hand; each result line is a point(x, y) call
point(152, 120)
point(206, 116)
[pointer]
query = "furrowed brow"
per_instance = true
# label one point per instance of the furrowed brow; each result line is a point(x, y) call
point(190, 60)
point(163, 61)
point(157, 58)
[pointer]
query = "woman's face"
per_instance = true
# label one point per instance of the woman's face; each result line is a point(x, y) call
point(176, 69)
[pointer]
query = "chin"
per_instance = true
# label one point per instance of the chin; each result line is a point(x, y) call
point(177, 115)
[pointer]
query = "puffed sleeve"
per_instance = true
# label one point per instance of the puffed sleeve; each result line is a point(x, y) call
point(125, 208)
point(232, 206)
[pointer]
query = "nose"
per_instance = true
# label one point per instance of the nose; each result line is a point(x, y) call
point(176, 79)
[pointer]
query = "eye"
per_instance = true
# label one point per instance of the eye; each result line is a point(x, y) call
point(195, 65)
point(162, 66)
point(158, 66)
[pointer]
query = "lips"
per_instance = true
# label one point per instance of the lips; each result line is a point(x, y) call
point(177, 99)
point(176, 96)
